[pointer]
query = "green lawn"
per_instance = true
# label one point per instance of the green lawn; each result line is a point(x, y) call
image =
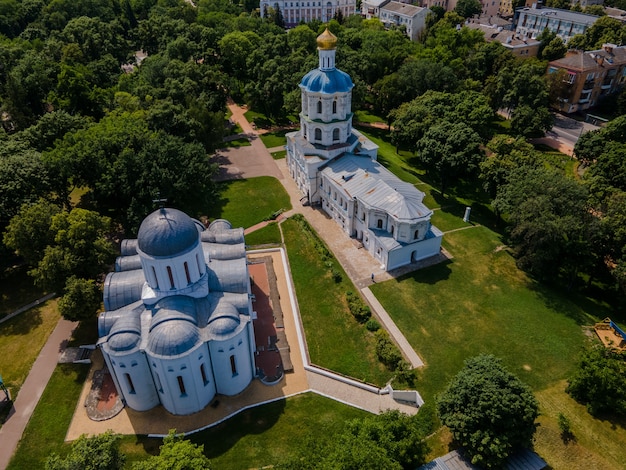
point(242, 142)
point(263, 436)
point(335, 340)
point(247, 202)
point(278, 155)
point(47, 427)
point(275, 138)
point(366, 116)
point(21, 340)
point(479, 302)
point(269, 234)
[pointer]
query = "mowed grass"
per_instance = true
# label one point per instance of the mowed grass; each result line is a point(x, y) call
point(270, 234)
point(247, 202)
point(236, 143)
point(21, 340)
point(263, 436)
point(278, 155)
point(48, 425)
point(275, 138)
point(479, 302)
point(334, 339)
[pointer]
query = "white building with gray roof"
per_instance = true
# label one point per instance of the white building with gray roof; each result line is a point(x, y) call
point(531, 21)
point(335, 168)
point(177, 326)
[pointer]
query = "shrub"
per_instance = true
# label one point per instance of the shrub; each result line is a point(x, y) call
point(358, 309)
point(337, 277)
point(386, 351)
point(566, 428)
point(372, 325)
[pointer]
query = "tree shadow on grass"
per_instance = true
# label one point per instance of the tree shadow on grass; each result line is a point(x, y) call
point(23, 323)
point(581, 309)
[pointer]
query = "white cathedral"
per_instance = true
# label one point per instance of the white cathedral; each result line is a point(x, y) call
point(177, 327)
point(335, 168)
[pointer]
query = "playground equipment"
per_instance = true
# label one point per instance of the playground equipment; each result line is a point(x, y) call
point(611, 335)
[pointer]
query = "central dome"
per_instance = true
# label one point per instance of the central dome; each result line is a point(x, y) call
point(167, 232)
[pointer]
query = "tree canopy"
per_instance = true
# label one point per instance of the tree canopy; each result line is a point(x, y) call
point(490, 412)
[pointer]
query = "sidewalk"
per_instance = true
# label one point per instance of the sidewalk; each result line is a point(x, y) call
point(32, 389)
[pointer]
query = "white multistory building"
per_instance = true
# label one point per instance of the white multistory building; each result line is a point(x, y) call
point(335, 168)
point(294, 12)
point(177, 327)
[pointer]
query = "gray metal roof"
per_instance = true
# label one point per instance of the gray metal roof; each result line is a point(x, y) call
point(228, 275)
point(129, 247)
point(167, 232)
point(122, 288)
point(223, 236)
point(173, 337)
point(224, 319)
point(524, 459)
point(219, 251)
point(127, 263)
point(402, 9)
point(371, 183)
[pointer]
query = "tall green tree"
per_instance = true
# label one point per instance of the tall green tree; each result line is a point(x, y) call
point(176, 453)
point(99, 452)
point(490, 412)
point(452, 150)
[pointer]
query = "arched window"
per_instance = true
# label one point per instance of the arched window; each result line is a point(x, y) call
point(233, 365)
point(335, 107)
point(131, 387)
point(186, 266)
point(158, 382)
point(199, 266)
point(392, 229)
point(318, 134)
point(205, 380)
point(304, 129)
point(415, 235)
point(319, 107)
point(380, 223)
point(336, 134)
point(156, 279)
point(171, 276)
point(181, 385)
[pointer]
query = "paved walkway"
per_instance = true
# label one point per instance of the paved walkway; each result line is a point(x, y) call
point(27, 307)
point(32, 389)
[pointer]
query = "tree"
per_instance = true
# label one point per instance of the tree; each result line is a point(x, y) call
point(597, 10)
point(176, 453)
point(600, 381)
point(452, 150)
point(555, 49)
point(29, 233)
point(468, 8)
point(81, 299)
point(552, 230)
point(490, 412)
point(90, 453)
point(81, 248)
point(531, 122)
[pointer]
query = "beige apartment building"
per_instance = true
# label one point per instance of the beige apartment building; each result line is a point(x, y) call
point(589, 76)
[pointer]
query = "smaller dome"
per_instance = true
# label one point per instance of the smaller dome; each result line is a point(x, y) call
point(173, 337)
point(167, 232)
point(224, 320)
point(327, 41)
point(125, 334)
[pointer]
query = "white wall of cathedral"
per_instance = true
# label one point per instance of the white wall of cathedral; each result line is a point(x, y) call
point(232, 364)
point(184, 384)
point(134, 380)
point(413, 252)
point(172, 275)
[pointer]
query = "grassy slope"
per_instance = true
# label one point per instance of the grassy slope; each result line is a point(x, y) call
point(261, 436)
point(247, 202)
point(266, 235)
point(335, 340)
point(21, 339)
point(16, 289)
point(47, 427)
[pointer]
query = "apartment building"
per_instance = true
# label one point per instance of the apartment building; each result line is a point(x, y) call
point(589, 76)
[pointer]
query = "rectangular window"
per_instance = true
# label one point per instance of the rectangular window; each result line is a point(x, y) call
point(181, 386)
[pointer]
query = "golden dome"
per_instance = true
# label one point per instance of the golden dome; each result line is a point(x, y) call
point(326, 41)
